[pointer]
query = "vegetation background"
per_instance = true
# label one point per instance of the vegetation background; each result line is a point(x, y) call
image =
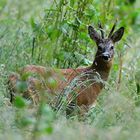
point(53, 33)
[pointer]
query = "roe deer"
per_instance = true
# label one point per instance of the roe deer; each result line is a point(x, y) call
point(89, 80)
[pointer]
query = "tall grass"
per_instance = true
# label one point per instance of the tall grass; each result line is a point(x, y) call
point(54, 33)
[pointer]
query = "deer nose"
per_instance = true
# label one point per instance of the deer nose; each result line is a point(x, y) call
point(106, 56)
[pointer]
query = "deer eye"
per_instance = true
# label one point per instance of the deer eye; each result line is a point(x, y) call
point(99, 48)
point(112, 47)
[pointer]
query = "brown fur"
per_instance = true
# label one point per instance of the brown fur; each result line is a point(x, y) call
point(86, 95)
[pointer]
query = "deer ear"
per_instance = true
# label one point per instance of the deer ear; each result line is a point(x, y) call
point(93, 34)
point(117, 35)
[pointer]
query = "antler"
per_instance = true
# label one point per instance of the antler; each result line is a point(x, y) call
point(101, 29)
point(112, 30)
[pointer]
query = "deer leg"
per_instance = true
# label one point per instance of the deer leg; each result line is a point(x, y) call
point(10, 92)
point(13, 78)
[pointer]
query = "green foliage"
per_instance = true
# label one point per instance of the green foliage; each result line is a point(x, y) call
point(54, 33)
point(21, 86)
point(19, 102)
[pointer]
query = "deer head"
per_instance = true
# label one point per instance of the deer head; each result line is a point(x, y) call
point(105, 51)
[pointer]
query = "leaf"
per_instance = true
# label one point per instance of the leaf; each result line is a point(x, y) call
point(49, 130)
point(25, 76)
point(71, 3)
point(19, 102)
point(26, 121)
point(115, 67)
point(21, 86)
point(32, 22)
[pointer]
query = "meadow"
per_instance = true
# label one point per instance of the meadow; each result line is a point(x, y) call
point(53, 33)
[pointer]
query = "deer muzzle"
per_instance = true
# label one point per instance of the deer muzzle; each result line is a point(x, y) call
point(106, 56)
